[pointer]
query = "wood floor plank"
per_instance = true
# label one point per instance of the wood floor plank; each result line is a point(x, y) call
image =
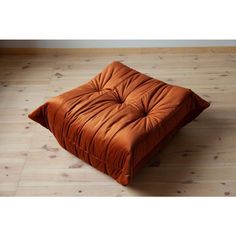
point(199, 161)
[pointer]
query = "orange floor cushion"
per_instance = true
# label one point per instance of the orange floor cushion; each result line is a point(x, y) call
point(117, 120)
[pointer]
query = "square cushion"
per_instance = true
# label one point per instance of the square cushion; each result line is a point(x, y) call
point(117, 120)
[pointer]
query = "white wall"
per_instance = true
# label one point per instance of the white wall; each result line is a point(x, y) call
point(112, 43)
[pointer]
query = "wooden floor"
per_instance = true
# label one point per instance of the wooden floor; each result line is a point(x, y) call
point(199, 161)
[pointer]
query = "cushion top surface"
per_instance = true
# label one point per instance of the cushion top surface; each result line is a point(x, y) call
point(121, 106)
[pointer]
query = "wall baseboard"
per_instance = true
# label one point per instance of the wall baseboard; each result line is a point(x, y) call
point(113, 51)
point(114, 43)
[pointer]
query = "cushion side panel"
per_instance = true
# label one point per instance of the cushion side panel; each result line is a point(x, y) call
point(191, 108)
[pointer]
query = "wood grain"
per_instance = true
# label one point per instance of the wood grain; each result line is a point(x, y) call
point(199, 161)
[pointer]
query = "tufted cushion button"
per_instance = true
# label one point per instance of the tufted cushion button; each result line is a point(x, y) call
point(120, 100)
point(144, 113)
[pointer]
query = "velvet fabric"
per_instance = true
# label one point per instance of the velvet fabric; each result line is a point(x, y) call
point(117, 120)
